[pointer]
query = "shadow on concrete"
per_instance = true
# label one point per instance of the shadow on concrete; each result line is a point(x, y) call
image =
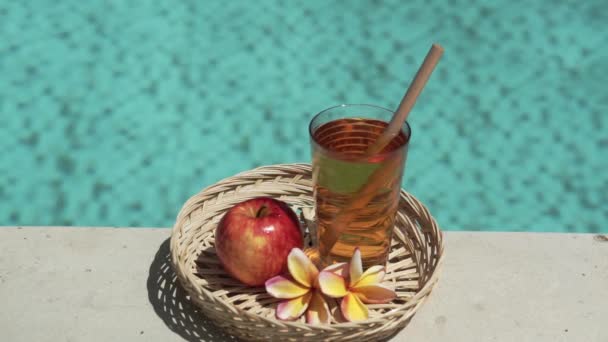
point(171, 303)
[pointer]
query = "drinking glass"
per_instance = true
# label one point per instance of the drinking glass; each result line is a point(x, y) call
point(356, 195)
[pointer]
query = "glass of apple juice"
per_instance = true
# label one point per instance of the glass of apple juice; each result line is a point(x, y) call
point(356, 194)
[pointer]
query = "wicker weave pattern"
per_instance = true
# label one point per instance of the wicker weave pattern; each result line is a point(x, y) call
point(248, 313)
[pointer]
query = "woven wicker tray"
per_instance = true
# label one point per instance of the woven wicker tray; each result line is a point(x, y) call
point(248, 313)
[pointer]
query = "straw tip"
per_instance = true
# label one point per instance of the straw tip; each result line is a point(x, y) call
point(437, 46)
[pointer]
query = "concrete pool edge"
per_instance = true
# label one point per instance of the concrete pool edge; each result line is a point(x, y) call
point(74, 282)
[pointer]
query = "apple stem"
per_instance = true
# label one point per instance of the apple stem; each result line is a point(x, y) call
point(261, 212)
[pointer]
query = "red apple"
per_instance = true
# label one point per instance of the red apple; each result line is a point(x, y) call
point(254, 237)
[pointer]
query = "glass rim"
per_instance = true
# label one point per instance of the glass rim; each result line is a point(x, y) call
point(406, 125)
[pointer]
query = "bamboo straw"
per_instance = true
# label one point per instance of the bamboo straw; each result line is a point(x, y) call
point(365, 194)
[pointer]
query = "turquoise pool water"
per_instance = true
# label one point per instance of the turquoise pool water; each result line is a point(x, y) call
point(115, 112)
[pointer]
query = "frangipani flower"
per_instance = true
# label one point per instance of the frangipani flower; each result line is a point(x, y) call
point(301, 291)
point(355, 287)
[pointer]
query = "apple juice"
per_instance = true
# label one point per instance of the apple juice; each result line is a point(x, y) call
point(356, 197)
